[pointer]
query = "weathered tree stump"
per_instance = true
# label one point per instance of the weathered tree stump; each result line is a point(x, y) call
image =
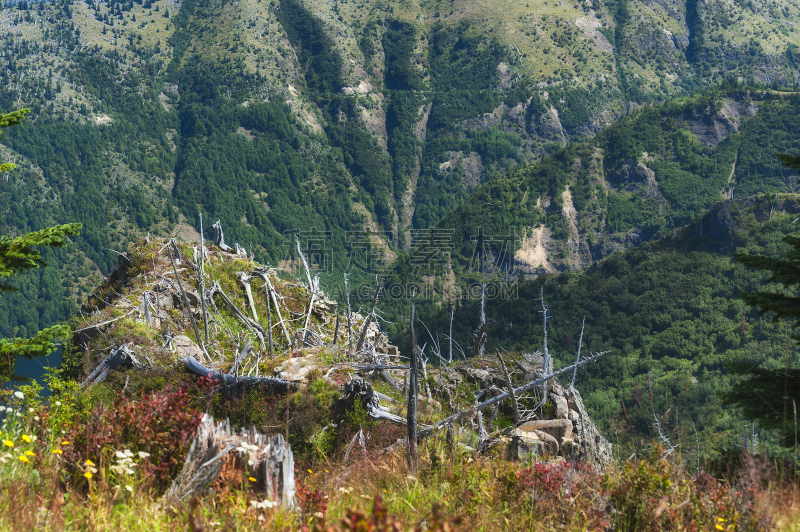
point(268, 459)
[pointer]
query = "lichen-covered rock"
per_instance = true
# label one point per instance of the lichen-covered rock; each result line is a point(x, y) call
point(595, 448)
point(562, 410)
point(297, 369)
point(558, 429)
point(324, 307)
point(525, 445)
point(185, 346)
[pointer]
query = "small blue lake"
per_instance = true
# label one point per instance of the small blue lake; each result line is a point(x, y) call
point(35, 369)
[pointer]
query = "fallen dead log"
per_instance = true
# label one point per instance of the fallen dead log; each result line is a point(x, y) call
point(121, 356)
point(251, 325)
point(388, 378)
point(197, 368)
point(379, 413)
point(503, 396)
point(84, 334)
point(268, 459)
point(372, 367)
point(264, 274)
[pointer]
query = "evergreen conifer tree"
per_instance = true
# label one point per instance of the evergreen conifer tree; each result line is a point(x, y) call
point(772, 395)
point(18, 255)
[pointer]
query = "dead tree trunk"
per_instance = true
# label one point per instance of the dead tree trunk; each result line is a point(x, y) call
point(481, 339)
point(269, 322)
point(368, 319)
point(547, 364)
point(478, 347)
point(336, 331)
point(200, 273)
point(413, 457)
point(265, 276)
point(268, 459)
point(580, 344)
point(249, 293)
point(349, 314)
point(219, 238)
point(186, 303)
point(450, 358)
point(311, 288)
point(146, 309)
point(121, 356)
point(423, 361)
point(511, 388)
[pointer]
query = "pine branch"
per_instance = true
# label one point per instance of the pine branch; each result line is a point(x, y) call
point(17, 254)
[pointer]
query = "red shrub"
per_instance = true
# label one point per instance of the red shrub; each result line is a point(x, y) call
point(544, 477)
point(160, 424)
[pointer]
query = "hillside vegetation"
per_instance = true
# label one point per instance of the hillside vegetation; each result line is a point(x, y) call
point(109, 446)
point(643, 177)
point(670, 316)
point(386, 115)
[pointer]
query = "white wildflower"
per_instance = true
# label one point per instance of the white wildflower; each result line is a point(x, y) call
point(19, 395)
point(31, 410)
point(58, 403)
point(143, 454)
point(36, 418)
point(263, 504)
point(129, 487)
point(128, 453)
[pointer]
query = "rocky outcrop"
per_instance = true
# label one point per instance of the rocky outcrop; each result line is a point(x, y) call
point(297, 369)
point(548, 126)
point(562, 428)
point(571, 434)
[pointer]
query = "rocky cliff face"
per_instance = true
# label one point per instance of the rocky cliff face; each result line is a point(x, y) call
point(642, 178)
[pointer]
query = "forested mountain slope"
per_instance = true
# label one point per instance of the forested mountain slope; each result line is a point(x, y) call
point(647, 174)
point(669, 314)
point(372, 116)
